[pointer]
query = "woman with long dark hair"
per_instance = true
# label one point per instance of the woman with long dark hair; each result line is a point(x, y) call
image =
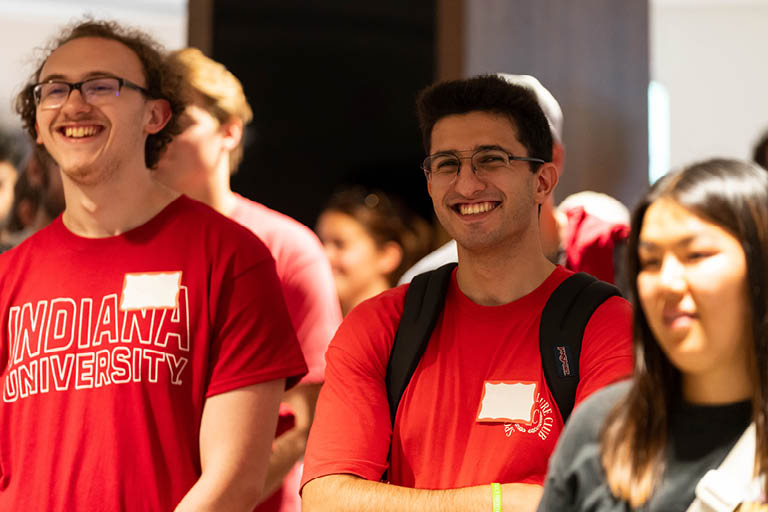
point(698, 257)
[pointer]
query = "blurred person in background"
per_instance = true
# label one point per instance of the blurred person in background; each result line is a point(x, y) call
point(585, 233)
point(11, 157)
point(370, 238)
point(697, 267)
point(38, 197)
point(199, 163)
point(760, 151)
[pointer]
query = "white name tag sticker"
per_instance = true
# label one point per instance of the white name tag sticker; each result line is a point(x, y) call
point(157, 290)
point(511, 402)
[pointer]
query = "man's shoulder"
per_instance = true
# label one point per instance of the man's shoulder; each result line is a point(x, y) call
point(374, 319)
point(199, 217)
point(389, 301)
point(32, 246)
point(280, 232)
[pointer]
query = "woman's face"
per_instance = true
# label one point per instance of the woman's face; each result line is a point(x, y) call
point(692, 287)
point(357, 263)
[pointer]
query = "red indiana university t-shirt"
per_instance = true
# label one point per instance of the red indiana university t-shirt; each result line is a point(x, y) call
point(109, 348)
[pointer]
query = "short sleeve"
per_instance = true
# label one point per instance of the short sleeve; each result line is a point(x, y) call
point(254, 340)
point(606, 349)
point(351, 432)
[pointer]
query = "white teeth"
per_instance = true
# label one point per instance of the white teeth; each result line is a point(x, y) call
point(77, 132)
point(470, 209)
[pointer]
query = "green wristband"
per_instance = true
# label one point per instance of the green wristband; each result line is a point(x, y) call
point(496, 496)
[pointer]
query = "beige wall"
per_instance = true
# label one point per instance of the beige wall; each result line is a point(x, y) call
point(28, 24)
point(711, 57)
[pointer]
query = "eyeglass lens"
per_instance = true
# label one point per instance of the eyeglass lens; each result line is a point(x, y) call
point(446, 165)
point(54, 94)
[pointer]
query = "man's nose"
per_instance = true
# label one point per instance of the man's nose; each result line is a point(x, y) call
point(75, 102)
point(467, 181)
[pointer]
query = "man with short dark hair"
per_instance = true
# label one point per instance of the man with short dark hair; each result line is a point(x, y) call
point(145, 344)
point(477, 409)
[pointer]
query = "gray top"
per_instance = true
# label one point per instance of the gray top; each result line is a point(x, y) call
point(700, 438)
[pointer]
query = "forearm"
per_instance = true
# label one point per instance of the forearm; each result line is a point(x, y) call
point(286, 452)
point(347, 493)
point(208, 496)
point(236, 431)
point(289, 447)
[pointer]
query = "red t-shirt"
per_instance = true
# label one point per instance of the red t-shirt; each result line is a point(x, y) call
point(310, 295)
point(110, 346)
point(305, 277)
point(477, 409)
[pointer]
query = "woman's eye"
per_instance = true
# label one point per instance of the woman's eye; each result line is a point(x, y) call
point(649, 263)
point(699, 255)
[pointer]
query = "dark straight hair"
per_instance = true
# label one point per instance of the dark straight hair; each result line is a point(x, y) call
point(494, 95)
point(733, 195)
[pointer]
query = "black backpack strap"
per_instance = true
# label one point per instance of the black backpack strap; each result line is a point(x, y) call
point(423, 304)
point(563, 321)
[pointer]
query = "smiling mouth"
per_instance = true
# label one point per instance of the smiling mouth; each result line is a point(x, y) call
point(475, 208)
point(80, 132)
point(679, 319)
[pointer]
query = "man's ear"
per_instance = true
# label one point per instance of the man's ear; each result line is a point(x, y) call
point(546, 180)
point(159, 115)
point(232, 133)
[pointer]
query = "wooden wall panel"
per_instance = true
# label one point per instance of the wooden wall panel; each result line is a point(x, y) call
point(593, 56)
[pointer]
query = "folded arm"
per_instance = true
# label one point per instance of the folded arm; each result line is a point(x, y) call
point(348, 493)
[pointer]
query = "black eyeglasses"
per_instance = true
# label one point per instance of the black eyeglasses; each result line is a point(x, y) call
point(54, 93)
point(444, 167)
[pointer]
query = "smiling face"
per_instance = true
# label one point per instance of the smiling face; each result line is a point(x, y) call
point(481, 213)
point(360, 268)
point(92, 142)
point(692, 287)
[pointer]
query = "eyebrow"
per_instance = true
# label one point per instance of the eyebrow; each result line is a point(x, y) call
point(649, 246)
point(481, 147)
point(91, 74)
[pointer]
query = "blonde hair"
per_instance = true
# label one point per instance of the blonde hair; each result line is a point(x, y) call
point(221, 91)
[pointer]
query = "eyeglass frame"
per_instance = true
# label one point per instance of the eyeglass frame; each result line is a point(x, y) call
point(122, 82)
point(428, 172)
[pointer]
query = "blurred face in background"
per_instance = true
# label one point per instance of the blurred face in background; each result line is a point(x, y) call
point(692, 286)
point(360, 268)
point(199, 151)
point(8, 177)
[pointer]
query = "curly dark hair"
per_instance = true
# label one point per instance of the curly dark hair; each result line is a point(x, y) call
point(162, 83)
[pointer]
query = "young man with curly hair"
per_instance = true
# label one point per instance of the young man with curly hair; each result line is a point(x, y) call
point(142, 361)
